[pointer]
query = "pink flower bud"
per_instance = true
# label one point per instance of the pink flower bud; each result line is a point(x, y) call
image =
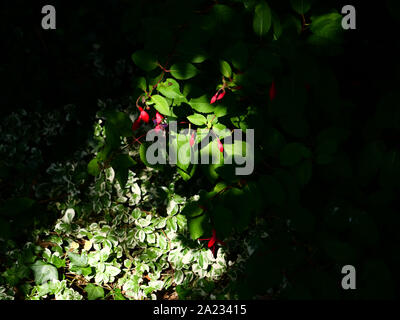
point(221, 95)
point(214, 98)
point(272, 91)
point(136, 124)
point(192, 140)
point(220, 146)
point(144, 116)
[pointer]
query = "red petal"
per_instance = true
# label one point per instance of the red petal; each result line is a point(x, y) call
point(136, 124)
point(212, 241)
point(220, 146)
point(192, 140)
point(272, 91)
point(213, 99)
point(221, 95)
point(145, 116)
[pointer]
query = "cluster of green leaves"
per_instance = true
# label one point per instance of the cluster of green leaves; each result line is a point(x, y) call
point(242, 48)
point(181, 90)
point(112, 241)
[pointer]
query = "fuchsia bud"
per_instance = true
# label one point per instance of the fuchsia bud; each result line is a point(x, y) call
point(220, 146)
point(136, 124)
point(221, 95)
point(214, 98)
point(272, 91)
point(144, 116)
point(213, 241)
point(217, 96)
point(192, 140)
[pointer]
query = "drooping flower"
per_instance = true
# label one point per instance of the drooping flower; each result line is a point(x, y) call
point(213, 241)
point(220, 146)
point(214, 98)
point(218, 96)
point(136, 124)
point(221, 95)
point(192, 140)
point(272, 91)
point(144, 116)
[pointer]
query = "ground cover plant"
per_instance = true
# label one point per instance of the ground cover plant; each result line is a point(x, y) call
point(84, 212)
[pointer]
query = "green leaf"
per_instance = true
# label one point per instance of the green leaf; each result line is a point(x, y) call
point(144, 60)
point(117, 123)
point(196, 226)
point(225, 69)
point(122, 161)
point(238, 55)
point(118, 294)
point(301, 6)
point(78, 260)
point(201, 104)
point(292, 153)
point(276, 24)
point(326, 28)
point(93, 167)
point(94, 292)
point(170, 89)
point(192, 210)
point(197, 119)
point(121, 165)
point(303, 172)
point(44, 272)
point(161, 105)
point(183, 71)
point(262, 19)
point(141, 83)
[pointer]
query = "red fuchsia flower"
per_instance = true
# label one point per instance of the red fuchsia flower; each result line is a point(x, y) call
point(217, 96)
point(192, 140)
point(159, 118)
point(213, 99)
point(220, 146)
point(213, 241)
point(221, 95)
point(144, 116)
point(136, 124)
point(272, 91)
